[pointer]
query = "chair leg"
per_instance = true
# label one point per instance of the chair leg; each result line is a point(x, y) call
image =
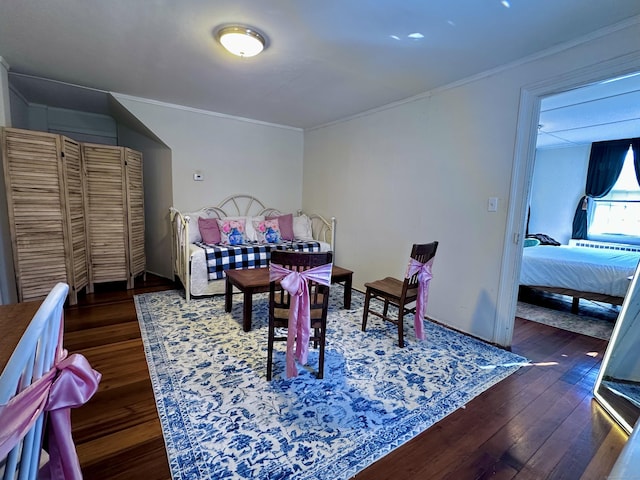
point(367, 298)
point(270, 351)
point(400, 326)
point(321, 355)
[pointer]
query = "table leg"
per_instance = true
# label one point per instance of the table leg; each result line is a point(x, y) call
point(347, 292)
point(246, 312)
point(228, 295)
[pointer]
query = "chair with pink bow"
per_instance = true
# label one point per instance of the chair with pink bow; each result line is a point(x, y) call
point(298, 301)
point(401, 293)
point(38, 386)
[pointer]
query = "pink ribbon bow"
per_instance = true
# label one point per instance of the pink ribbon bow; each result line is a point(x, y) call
point(424, 277)
point(299, 327)
point(70, 383)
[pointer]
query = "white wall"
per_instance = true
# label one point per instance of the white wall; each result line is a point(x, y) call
point(82, 126)
point(424, 170)
point(8, 292)
point(5, 108)
point(234, 155)
point(158, 196)
point(19, 109)
point(559, 178)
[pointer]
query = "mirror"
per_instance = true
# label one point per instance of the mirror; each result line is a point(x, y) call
point(617, 387)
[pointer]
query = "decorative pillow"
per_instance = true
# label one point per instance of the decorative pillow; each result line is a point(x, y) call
point(302, 228)
point(249, 233)
point(286, 225)
point(232, 232)
point(209, 230)
point(194, 230)
point(268, 231)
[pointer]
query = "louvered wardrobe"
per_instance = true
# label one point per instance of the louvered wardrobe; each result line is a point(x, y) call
point(76, 212)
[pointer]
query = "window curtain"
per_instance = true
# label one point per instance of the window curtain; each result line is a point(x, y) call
point(605, 164)
point(635, 145)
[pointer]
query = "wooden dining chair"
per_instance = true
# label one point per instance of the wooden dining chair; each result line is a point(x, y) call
point(280, 302)
point(399, 293)
point(33, 356)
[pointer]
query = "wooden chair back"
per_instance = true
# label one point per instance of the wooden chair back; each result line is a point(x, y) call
point(400, 293)
point(280, 301)
point(31, 359)
point(421, 252)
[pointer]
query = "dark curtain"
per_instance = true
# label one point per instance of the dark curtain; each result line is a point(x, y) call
point(635, 144)
point(605, 164)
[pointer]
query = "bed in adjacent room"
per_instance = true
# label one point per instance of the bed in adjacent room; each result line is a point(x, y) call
point(581, 272)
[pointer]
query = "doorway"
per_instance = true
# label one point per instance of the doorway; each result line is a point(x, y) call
point(522, 176)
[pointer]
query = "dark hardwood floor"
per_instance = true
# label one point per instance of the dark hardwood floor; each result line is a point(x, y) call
point(540, 422)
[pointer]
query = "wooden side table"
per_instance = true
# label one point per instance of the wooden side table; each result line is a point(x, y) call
point(342, 275)
point(249, 281)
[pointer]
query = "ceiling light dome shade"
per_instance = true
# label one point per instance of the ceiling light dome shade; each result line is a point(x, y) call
point(241, 41)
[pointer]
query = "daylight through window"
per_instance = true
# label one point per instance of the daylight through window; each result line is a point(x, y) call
point(616, 216)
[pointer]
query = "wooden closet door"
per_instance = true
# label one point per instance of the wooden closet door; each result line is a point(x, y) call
point(106, 213)
point(135, 212)
point(33, 178)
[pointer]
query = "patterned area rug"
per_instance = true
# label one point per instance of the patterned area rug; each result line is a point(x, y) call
point(583, 324)
point(222, 419)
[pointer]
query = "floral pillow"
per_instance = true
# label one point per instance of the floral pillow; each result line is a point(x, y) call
point(232, 232)
point(249, 232)
point(268, 231)
point(286, 225)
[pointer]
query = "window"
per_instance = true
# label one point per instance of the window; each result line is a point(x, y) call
point(616, 216)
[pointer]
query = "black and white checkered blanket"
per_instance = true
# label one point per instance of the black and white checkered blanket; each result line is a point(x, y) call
point(221, 258)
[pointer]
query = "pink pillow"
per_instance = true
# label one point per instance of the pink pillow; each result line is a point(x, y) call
point(286, 225)
point(209, 230)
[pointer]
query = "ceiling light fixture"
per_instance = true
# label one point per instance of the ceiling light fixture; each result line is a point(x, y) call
point(241, 40)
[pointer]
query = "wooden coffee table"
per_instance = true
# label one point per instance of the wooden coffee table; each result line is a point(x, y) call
point(256, 280)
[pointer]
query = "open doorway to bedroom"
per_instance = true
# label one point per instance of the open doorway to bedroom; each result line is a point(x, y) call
point(569, 122)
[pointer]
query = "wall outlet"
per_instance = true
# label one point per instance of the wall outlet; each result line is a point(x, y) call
point(198, 177)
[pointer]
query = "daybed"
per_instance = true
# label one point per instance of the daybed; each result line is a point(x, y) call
point(581, 272)
point(201, 266)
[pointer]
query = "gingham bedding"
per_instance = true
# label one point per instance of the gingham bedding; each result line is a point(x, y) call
point(222, 258)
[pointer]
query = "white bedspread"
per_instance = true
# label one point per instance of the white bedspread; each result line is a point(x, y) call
point(578, 268)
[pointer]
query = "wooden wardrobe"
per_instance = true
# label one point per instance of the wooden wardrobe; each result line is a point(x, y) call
point(76, 212)
point(45, 198)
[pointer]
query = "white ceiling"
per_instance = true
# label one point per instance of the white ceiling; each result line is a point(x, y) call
point(604, 111)
point(324, 61)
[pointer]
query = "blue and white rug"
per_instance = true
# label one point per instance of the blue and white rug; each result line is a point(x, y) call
point(222, 419)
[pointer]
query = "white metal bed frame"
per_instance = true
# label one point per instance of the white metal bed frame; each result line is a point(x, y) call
point(243, 205)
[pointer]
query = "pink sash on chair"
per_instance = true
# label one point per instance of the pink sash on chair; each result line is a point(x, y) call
point(70, 383)
point(299, 328)
point(424, 277)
